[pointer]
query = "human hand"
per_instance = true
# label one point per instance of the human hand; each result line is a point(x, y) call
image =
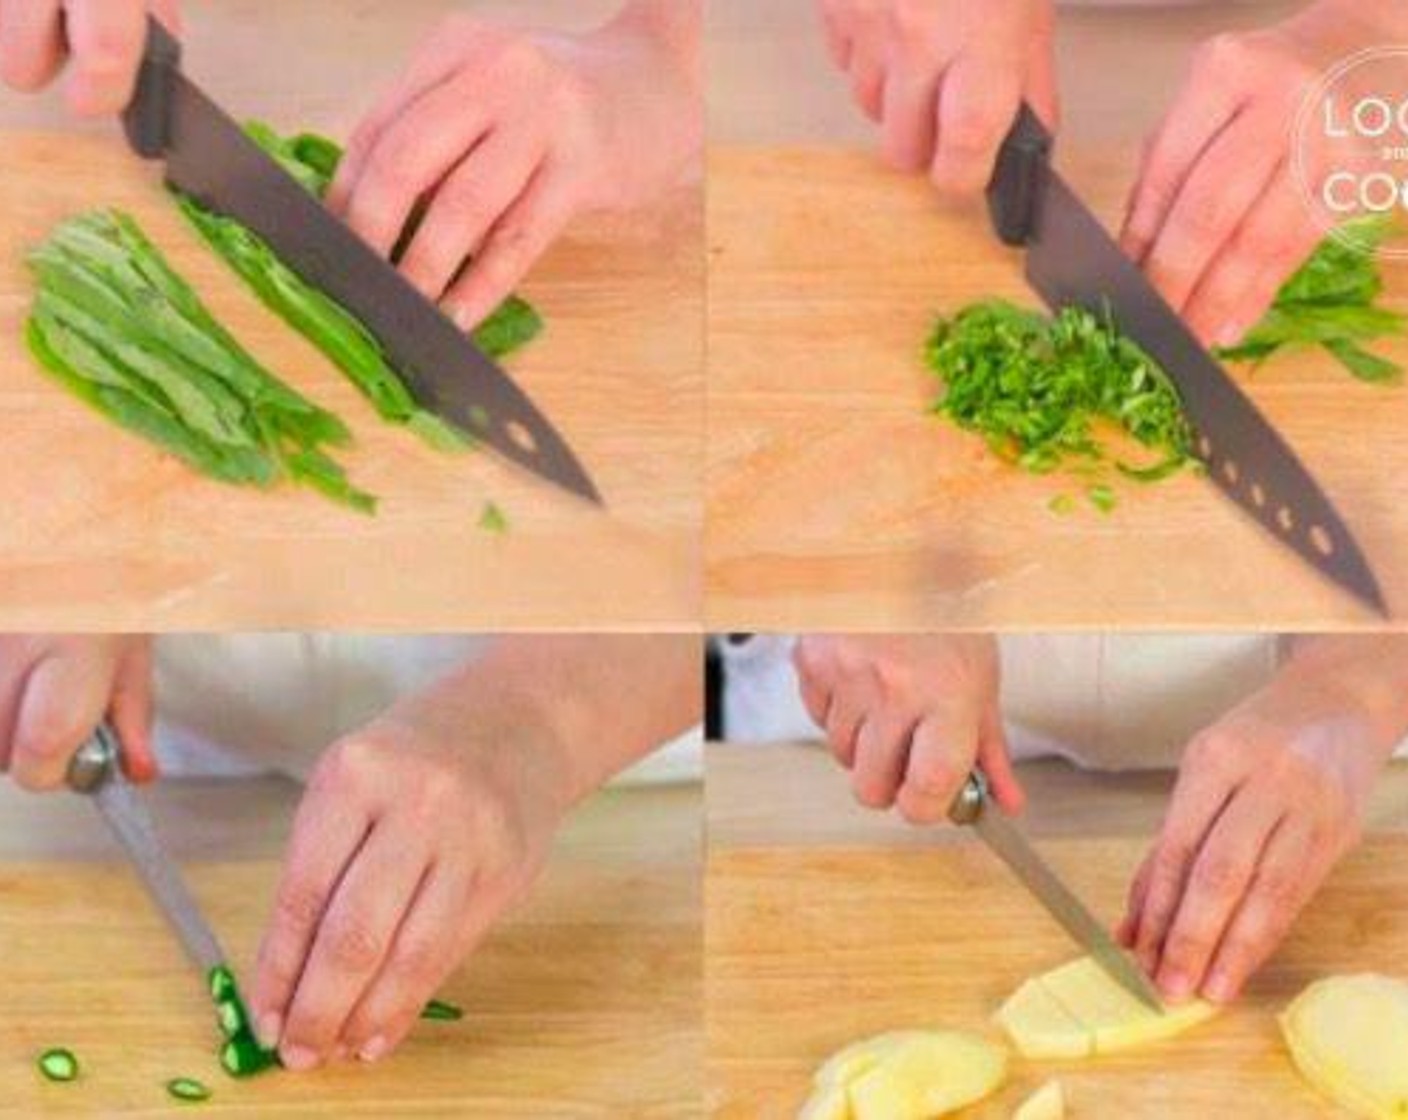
point(101, 41)
point(944, 78)
point(909, 717)
point(1267, 801)
point(503, 136)
point(56, 689)
point(414, 837)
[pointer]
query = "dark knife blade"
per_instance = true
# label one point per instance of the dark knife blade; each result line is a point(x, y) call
point(973, 808)
point(209, 157)
point(1072, 261)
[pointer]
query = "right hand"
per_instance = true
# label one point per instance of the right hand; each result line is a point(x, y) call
point(944, 78)
point(55, 690)
point(910, 717)
point(101, 41)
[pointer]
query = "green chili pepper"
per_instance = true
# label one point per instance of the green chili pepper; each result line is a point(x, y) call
point(58, 1064)
point(439, 1009)
point(188, 1089)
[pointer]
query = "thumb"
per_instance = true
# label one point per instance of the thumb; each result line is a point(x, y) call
point(995, 758)
point(130, 711)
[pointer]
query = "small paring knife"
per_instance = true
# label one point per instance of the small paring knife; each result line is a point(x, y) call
point(1072, 261)
point(973, 807)
point(209, 158)
point(96, 772)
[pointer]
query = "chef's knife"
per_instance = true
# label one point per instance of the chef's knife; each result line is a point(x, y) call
point(209, 157)
point(96, 771)
point(973, 807)
point(1071, 260)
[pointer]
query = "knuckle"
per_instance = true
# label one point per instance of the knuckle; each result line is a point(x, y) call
point(419, 960)
point(45, 735)
point(353, 947)
point(1224, 53)
point(298, 906)
point(1220, 874)
point(971, 129)
point(1279, 886)
point(107, 53)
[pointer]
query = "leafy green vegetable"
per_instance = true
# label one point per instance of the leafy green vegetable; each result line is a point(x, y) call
point(58, 1064)
point(1330, 302)
point(117, 327)
point(241, 1055)
point(492, 519)
point(188, 1089)
point(1035, 387)
point(313, 160)
point(439, 1009)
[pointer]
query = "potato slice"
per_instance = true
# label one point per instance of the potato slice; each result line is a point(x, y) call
point(1047, 1103)
point(1100, 1016)
point(906, 1075)
point(1348, 1036)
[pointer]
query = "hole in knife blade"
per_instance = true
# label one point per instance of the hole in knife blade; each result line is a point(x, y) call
point(1258, 493)
point(1231, 471)
point(1204, 447)
point(1321, 540)
point(1285, 518)
point(521, 437)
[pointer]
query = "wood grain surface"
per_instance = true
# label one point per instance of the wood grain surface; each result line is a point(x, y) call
point(809, 949)
point(834, 500)
point(585, 1004)
point(103, 532)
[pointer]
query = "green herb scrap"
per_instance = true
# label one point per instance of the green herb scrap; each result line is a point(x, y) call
point(313, 160)
point(241, 1054)
point(117, 327)
point(1331, 302)
point(188, 1089)
point(58, 1064)
point(439, 1009)
point(1035, 387)
point(492, 519)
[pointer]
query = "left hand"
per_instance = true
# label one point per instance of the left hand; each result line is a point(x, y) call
point(414, 837)
point(505, 135)
point(1267, 801)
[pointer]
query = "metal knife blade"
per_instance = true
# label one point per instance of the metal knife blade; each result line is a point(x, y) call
point(1010, 846)
point(122, 807)
point(1072, 261)
point(209, 157)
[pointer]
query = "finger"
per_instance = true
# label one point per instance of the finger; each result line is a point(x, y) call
point(64, 699)
point(867, 83)
point(1128, 932)
point(909, 100)
point(428, 946)
point(1041, 91)
point(882, 751)
point(105, 41)
point(466, 205)
point(1272, 241)
point(977, 104)
point(1221, 873)
point(849, 704)
point(18, 656)
point(1287, 876)
point(31, 43)
point(517, 240)
point(838, 40)
point(352, 941)
point(1214, 199)
point(130, 712)
point(940, 758)
point(411, 157)
point(434, 65)
point(1198, 798)
point(816, 697)
point(995, 757)
point(1203, 110)
point(327, 833)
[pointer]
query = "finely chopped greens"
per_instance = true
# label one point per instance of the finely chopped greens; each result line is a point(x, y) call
point(312, 160)
point(116, 326)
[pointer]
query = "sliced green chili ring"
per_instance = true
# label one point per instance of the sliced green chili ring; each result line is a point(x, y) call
point(439, 1009)
point(188, 1089)
point(242, 1056)
point(58, 1064)
point(231, 1018)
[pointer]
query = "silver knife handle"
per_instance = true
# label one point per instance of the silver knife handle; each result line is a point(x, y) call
point(94, 764)
point(1014, 193)
point(147, 118)
point(972, 799)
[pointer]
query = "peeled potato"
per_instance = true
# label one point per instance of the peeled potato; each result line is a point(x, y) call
point(1348, 1036)
point(1047, 1103)
point(906, 1075)
point(1100, 1017)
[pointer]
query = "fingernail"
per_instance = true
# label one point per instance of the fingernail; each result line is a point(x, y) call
point(1175, 986)
point(1229, 335)
point(267, 1029)
point(297, 1058)
point(462, 318)
point(1219, 988)
point(373, 1050)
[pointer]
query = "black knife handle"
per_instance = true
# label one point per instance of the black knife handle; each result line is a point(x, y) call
point(1015, 190)
point(147, 117)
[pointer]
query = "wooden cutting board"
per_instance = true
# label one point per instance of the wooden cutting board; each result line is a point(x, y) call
point(585, 1004)
point(809, 949)
point(834, 500)
point(102, 532)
